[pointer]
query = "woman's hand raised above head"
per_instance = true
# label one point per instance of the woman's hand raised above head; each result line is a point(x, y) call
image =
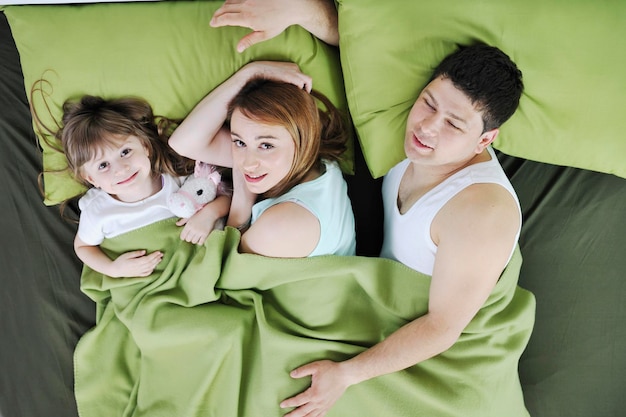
point(288, 72)
point(202, 136)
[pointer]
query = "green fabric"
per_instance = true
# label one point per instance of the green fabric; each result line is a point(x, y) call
point(214, 333)
point(571, 55)
point(165, 52)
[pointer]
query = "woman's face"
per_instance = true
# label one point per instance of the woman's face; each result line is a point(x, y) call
point(263, 153)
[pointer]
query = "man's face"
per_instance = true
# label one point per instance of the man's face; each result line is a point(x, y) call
point(444, 127)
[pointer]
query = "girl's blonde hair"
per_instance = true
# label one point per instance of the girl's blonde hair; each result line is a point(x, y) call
point(318, 134)
point(92, 123)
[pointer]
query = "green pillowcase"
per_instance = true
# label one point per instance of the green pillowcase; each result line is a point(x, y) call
point(164, 52)
point(571, 55)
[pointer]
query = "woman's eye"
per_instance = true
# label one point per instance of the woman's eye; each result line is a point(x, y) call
point(266, 145)
point(238, 143)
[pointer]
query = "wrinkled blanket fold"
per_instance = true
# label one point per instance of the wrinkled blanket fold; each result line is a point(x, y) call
point(213, 332)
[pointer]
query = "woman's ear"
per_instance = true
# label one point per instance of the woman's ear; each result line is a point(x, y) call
point(486, 139)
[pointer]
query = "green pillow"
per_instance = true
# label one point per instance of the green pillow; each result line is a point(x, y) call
point(165, 52)
point(571, 55)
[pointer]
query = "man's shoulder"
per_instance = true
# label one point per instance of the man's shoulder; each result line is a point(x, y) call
point(482, 198)
point(484, 214)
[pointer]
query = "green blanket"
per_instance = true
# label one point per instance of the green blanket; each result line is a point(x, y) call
point(215, 333)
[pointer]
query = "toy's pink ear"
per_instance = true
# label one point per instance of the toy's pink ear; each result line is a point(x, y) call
point(203, 170)
point(216, 177)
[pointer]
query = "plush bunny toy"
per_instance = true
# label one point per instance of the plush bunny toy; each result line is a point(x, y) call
point(197, 190)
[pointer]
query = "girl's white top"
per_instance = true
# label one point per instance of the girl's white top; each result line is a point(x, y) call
point(102, 216)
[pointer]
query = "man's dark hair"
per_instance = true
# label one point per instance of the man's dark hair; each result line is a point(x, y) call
point(488, 77)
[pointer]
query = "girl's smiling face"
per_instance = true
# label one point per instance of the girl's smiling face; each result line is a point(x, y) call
point(264, 153)
point(122, 170)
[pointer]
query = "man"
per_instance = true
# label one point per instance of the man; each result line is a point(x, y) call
point(450, 212)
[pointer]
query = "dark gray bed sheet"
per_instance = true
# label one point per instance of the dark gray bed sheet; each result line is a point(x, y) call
point(573, 242)
point(574, 247)
point(42, 311)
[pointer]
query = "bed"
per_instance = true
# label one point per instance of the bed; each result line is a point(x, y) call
point(568, 172)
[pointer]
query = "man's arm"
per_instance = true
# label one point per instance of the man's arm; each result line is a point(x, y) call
point(475, 233)
point(269, 18)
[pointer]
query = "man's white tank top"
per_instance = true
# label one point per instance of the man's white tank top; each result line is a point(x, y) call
point(407, 237)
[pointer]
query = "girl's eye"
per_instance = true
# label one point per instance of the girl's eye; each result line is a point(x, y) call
point(238, 143)
point(266, 146)
point(125, 152)
point(102, 165)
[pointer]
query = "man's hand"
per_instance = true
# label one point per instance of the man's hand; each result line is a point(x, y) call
point(269, 18)
point(328, 383)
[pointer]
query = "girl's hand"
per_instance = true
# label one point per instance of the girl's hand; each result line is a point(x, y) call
point(279, 71)
point(198, 227)
point(196, 230)
point(135, 264)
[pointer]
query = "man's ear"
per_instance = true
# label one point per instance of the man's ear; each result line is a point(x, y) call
point(486, 139)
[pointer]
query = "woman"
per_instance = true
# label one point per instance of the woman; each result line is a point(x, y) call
point(289, 199)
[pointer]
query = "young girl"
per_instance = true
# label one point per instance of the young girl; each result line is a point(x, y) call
point(290, 198)
point(116, 148)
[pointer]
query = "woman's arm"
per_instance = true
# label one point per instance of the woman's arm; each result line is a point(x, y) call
point(286, 230)
point(269, 18)
point(130, 264)
point(241, 205)
point(202, 135)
